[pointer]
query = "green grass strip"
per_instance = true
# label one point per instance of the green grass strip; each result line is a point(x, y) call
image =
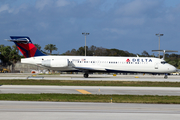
point(93, 98)
point(89, 83)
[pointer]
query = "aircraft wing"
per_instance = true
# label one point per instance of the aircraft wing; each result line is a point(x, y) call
point(91, 68)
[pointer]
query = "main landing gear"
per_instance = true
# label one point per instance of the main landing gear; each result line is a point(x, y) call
point(86, 75)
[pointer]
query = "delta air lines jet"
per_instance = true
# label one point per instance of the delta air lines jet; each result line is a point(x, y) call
point(90, 64)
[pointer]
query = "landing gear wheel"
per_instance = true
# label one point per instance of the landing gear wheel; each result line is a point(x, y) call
point(86, 75)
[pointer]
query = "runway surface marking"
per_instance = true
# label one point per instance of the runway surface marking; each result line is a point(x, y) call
point(83, 91)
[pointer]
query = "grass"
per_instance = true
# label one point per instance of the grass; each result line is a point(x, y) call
point(89, 83)
point(93, 98)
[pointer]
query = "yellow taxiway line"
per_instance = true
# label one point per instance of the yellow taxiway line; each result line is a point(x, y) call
point(83, 91)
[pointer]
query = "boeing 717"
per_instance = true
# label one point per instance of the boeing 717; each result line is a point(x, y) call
point(90, 64)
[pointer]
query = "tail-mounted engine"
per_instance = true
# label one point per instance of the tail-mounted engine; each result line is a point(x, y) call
point(55, 63)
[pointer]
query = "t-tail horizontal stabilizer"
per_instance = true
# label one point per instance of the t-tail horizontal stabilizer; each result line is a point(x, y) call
point(25, 45)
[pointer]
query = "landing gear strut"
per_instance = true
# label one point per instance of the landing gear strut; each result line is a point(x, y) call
point(165, 76)
point(86, 75)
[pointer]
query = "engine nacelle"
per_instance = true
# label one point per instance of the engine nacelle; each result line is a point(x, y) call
point(55, 63)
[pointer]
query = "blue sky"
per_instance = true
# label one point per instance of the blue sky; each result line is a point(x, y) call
point(128, 25)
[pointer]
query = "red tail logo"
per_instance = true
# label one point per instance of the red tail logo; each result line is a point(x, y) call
point(26, 47)
point(127, 60)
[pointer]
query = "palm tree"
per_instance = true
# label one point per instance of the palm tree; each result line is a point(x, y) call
point(9, 55)
point(50, 47)
point(1, 47)
point(37, 46)
point(15, 48)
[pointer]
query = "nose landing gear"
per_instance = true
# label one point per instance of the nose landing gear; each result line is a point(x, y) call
point(165, 76)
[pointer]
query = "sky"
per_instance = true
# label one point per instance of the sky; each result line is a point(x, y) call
point(128, 25)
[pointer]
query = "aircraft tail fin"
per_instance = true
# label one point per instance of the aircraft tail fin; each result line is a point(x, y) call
point(25, 45)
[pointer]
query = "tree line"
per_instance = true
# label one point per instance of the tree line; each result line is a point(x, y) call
point(10, 55)
point(100, 51)
point(97, 51)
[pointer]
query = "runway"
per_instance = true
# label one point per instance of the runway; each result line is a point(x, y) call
point(107, 90)
point(25, 110)
point(96, 79)
point(92, 77)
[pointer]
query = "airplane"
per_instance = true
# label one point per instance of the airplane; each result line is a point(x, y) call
point(90, 64)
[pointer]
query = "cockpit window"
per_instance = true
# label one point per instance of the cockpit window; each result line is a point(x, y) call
point(163, 62)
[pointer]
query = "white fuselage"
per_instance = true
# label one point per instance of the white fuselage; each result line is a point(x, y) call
point(106, 64)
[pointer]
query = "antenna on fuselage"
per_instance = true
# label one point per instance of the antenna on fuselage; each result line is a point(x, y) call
point(164, 52)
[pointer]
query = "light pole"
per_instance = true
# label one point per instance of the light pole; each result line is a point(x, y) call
point(159, 35)
point(85, 40)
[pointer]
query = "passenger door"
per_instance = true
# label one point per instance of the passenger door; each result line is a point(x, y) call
point(156, 66)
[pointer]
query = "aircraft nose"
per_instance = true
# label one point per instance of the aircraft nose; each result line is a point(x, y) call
point(172, 69)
